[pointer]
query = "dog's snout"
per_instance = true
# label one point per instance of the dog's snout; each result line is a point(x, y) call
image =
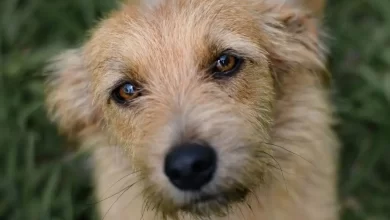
point(190, 166)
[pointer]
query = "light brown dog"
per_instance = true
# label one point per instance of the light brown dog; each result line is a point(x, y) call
point(203, 109)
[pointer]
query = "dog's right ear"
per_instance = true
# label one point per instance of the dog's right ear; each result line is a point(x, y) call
point(69, 97)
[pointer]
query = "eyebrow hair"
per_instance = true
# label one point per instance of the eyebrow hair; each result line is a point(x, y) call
point(242, 45)
point(234, 44)
point(115, 70)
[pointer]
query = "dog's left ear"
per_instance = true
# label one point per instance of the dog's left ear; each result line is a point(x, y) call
point(316, 7)
point(296, 36)
point(299, 23)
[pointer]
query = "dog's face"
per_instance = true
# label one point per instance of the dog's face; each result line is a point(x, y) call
point(188, 88)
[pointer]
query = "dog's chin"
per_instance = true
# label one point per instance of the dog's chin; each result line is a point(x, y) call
point(214, 204)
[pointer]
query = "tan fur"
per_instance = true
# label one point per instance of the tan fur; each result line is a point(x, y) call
point(315, 6)
point(270, 124)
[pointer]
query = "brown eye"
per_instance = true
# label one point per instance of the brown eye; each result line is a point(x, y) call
point(125, 93)
point(226, 65)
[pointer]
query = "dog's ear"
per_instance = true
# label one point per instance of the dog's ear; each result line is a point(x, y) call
point(296, 39)
point(316, 7)
point(69, 100)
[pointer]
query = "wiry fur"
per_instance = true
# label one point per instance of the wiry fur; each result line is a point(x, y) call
point(270, 124)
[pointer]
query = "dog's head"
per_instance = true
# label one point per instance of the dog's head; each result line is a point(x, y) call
point(188, 87)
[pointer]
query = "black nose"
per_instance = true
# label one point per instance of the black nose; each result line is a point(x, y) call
point(190, 166)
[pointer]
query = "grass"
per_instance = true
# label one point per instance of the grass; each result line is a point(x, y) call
point(42, 179)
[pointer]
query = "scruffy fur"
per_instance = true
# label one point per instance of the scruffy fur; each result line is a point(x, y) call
point(270, 124)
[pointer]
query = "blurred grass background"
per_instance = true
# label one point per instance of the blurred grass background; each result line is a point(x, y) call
point(42, 179)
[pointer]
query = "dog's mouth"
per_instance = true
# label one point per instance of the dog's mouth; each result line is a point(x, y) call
point(218, 202)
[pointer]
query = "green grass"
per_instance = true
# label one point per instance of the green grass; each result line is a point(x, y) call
point(42, 179)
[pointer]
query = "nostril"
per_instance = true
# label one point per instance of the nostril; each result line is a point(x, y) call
point(190, 166)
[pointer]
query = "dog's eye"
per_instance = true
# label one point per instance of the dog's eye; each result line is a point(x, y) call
point(226, 65)
point(125, 93)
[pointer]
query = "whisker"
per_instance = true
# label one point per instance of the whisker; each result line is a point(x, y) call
point(239, 208)
point(124, 189)
point(134, 198)
point(115, 202)
point(256, 197)
point(250, 208)
point(275, 145)
point(143, 209)
point(127, 175)
point(275, 167)
point(157, 206)
point(280, 167)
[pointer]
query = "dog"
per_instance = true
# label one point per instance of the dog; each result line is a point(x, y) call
point(203, 109)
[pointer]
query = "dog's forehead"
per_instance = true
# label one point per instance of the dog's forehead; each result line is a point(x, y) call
point(189, 23)
point(177, 35)
point(188, 31)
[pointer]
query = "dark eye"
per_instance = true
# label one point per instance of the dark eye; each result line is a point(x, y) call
point(226, 65)
point(125, 93)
